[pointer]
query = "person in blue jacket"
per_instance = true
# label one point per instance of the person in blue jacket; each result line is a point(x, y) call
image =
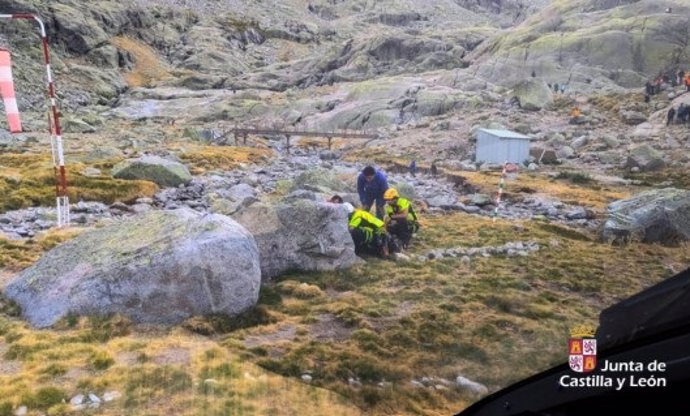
point(371, 184)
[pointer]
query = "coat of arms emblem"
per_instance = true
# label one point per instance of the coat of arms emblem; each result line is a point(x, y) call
point(582, 349)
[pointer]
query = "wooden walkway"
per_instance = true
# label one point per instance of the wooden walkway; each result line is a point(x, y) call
point(241, 133)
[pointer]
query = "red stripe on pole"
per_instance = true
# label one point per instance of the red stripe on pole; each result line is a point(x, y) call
point(46, 53)
point(7, 92)
point(63, 182)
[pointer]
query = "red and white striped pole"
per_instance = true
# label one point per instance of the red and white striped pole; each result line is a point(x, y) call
point(507, 168)
point(62, 200)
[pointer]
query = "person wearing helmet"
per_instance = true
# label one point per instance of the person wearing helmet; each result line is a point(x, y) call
point(367, 232)
point(401, 219)
point(371, 184)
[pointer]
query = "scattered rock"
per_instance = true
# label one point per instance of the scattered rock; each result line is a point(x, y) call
point(401, 257)
point(565, 152)
point(633, 118)
point(645, 158)
point(109, 396)
point(471, 386)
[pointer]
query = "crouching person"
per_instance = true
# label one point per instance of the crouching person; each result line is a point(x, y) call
point(401, 220)
point(369, 234)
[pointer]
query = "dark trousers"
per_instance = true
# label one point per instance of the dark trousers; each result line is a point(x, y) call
point(371, 245)
point(403, 229)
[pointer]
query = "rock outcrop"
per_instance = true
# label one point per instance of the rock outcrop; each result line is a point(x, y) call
point(161, 267)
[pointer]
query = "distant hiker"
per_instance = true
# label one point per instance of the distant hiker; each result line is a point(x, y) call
point(555, 87)
point(649, 88)
point(434, 169)
point(371, 184)
point(401, 220)
point(687, 81)
point(680, 77)
point(368, 233)
point(575, 115)
point(670, 115)
point(413, 168)
point(534, 74)
point(563, 88)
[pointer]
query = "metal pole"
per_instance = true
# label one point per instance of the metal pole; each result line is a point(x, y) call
point(62, 200)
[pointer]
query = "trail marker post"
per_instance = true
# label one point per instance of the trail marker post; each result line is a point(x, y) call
point(62, 200)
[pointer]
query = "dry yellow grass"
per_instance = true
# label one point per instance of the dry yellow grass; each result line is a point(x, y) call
point(28, 179)
point(204, 158)
point(541, 184)
point(158, 373)
point(16, 255)
point(148, 66)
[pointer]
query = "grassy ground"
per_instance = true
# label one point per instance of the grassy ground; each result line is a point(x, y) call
point(28, 179)
point(157, 372)
point(381, 324)
point(495, 320)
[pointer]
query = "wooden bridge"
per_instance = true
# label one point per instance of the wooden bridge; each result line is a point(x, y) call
point(241, 133)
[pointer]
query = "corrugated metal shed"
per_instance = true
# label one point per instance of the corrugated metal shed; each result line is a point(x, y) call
point(499, 146)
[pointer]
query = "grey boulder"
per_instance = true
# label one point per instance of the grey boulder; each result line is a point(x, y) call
point(299, 235)
point(661, 215)
point(645, 158)
point(161, 267)
point(163, 172)
point(533, 95)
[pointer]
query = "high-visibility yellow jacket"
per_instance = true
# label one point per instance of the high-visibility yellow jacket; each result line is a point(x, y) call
point(400, 205)
point(361, 218)
point(368, 223)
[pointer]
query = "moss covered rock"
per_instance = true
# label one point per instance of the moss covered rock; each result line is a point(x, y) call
point(533, 95)
point(160, 267)
point(161, 171)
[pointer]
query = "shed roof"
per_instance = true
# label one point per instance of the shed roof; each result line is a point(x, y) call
point(506, 134)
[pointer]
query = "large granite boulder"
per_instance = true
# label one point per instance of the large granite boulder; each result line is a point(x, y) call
point(533, 94)
point(645, 158)
point(661, 215)
point(164, 172)
point(299, 235)
point(161, 267)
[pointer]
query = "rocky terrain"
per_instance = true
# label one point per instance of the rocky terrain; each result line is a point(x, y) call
point(162, 191)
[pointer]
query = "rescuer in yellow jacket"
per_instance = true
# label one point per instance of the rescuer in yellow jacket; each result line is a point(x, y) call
point(401, 220)
point(368, 233)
